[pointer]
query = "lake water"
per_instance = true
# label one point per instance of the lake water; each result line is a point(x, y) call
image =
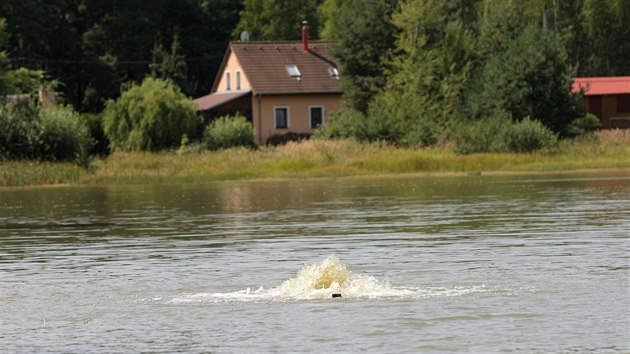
point(530, 264)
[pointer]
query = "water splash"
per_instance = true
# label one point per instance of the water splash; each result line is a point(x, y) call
point(323, 279)
point(329, 276)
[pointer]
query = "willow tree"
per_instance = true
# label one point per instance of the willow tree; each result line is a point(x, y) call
point(152, 116)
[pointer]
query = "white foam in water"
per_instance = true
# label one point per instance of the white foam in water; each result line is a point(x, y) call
point(323, 279)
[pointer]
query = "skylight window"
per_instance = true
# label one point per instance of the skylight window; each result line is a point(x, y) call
point(333, 72)
point(293, 71)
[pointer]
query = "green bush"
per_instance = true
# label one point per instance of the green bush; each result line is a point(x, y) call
point(283, 139)
point(343, 124)
point(528, 135)
point(353, 124)
point(55, 134)
point(152, 116)
point(588, 123)
point(226, 132)
point(19, 130)
point(64, 136)
point(481, 136)
point(94, 123)
point(419, 134)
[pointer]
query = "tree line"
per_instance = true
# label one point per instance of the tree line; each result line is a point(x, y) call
point(481, 73)
point(413, 71)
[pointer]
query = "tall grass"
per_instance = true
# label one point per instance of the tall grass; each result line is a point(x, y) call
point(322, 158)
point(26, 173)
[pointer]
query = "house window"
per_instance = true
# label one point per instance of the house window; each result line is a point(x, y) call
point(228, 81)
point(317, 116)
point(281, 115)
point(238, 80)
point(623, 104)
point(293, 71)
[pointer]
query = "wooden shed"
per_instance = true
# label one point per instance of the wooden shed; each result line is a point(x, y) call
point(606, 97)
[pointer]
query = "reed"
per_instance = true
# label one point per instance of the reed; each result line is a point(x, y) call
point(27, 173)
point(608, 149)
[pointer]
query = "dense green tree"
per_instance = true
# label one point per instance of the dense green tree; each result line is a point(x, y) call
point(432, 61)
point(594, 32)
point(169, 64)
point(149, 117)
point(3, 56)
point(364, 35)
point(4, 61)
point(531, 77)
point(499, 23)
point(327, 14)
point(277, 19)
point(607, 28)
point(92, 47)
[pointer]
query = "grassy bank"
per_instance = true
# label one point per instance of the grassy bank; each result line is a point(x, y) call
point(317, 158)
point(28, 173)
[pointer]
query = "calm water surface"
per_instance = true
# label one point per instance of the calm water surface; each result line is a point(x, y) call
point(461, 264)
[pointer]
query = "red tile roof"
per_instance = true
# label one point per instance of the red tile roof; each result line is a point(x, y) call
point(218, 98)
point(593, 86)
point(264, 65)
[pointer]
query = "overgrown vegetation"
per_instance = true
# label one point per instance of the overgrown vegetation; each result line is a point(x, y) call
point(461, 76)
point(465, 71)
point(53, 134)
point(149, 117)
point(92, 47)
point(322, 158)
point(226, 132)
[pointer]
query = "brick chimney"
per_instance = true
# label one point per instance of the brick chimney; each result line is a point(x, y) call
point(305, 36)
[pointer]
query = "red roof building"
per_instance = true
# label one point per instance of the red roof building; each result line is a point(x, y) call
point(606, 97)
point(281, 86)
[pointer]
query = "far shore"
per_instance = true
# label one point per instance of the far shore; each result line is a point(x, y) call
point(605, 152)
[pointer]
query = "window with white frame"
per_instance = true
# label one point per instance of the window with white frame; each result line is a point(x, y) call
point(238, 80)
point(316, 114)
point(293, 71)
point(281, 117)
point(333, 72)
point(228, 81)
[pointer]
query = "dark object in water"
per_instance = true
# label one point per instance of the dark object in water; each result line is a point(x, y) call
point(336, 295)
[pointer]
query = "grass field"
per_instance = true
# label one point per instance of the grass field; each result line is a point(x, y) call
point(320, 158)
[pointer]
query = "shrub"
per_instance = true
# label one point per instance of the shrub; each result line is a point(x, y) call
point(528, 135)
point(588, 123)
point(343, 124)
point(353, 124)
point(94, 123)
point(64, 136)
point(481, 136)
point(152, 116)
point(282, 139)
point(419, 134)
point(55, 134)
point(19, 130)
point(226, 132)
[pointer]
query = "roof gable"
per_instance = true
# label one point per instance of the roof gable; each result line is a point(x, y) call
point(265, 66)
point(593, 86)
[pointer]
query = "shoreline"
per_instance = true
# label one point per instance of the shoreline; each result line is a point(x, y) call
point(609, 152)
point(613, 173)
